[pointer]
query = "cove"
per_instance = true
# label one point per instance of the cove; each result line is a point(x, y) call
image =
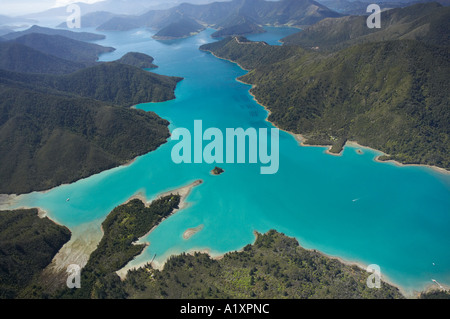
point(348, 206)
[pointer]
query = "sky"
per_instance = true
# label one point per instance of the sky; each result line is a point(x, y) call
point(22, 7)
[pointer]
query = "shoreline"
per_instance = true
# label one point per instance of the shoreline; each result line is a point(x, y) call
point(192, 231)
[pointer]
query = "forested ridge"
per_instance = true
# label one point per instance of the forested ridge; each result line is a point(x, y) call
point(390, 95)
point(122, 228)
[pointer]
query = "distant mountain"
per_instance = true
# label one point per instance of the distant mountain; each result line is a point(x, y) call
point(11, 21)
point(218, 15)
point(182, 28)
point(4, 31)
point(113, 6)
point(428, 23)
point(62, 47)
point(28, 244)
point(93, 19)
point(58, 129)
point(79, 36)
point(111, 82)
point(20, 58)
point(358, 7)
point(139, 60)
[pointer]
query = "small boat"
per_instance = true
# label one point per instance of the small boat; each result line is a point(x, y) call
point(67, 199)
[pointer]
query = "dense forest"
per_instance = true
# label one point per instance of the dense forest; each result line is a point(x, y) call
point(79, 36)
point(28, 244)
point(389, 95)
point(228, 17)
point(237, 26)
point(273, 267)
point(58, 129)
point(111, 82)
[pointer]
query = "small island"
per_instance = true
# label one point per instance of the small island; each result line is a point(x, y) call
point(217, 171)
point(139, 60)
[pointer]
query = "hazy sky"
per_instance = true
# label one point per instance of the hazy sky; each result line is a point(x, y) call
point(21, 7)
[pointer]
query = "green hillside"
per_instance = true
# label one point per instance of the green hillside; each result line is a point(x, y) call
point(181, 28)
point(47, 140)
point(122, 228)
point(392, 96)
point(428, 23)
point(20, 58)
point(27, 245)
point(58, 129)
point(79, 36)
point(111, 82)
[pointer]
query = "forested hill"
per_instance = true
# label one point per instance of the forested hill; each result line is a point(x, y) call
point(389, 95)
point(58, 129)
point(110, 82)
point(139, 60)
point(238, 25)
point(62, 47)
point(28, 244)
point(50, 54)
point(180, 28)
point(225, 16)
point(426, 22)
point(20, 58)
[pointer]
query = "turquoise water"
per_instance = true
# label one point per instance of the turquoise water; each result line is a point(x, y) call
point(348, 206)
